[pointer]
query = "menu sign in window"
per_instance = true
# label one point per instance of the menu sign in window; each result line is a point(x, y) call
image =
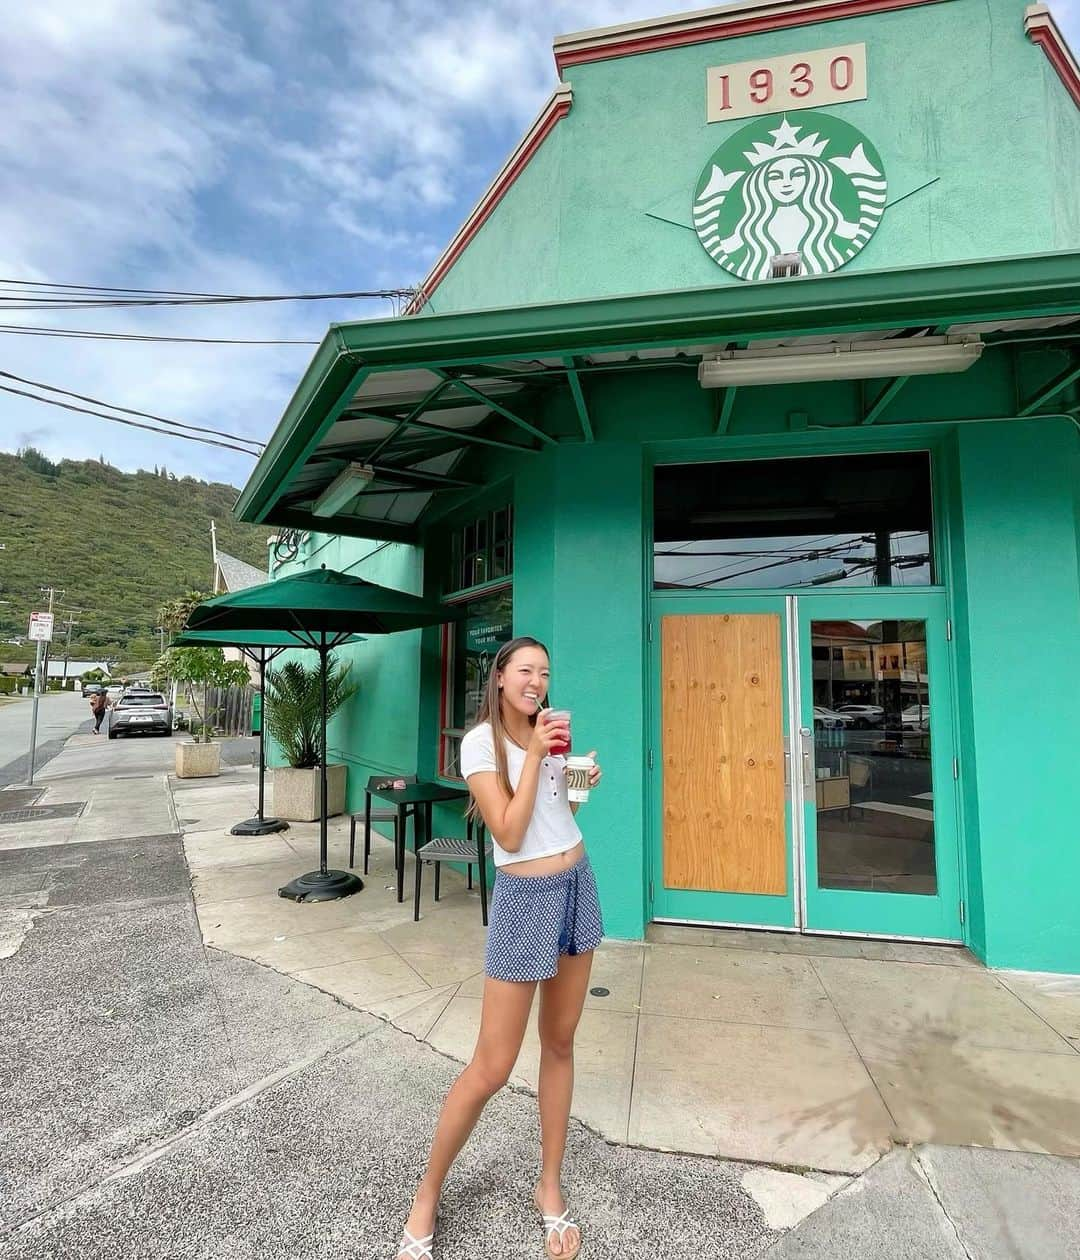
point(773, 85)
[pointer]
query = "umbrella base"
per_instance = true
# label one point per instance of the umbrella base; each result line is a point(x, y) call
point(322, 886)
point(258, 827)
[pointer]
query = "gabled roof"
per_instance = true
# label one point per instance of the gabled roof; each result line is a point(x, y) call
point(238, 575)
point(724, 21)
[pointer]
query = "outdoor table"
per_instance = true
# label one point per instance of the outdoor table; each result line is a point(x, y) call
point(423, 796)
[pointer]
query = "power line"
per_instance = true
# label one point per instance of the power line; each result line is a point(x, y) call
point(134, 424)
point(130, 411)
point(63, 303)
point(86, 334)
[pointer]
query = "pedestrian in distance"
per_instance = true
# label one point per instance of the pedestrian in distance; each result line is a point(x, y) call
point(99, 705)
point(545, 923)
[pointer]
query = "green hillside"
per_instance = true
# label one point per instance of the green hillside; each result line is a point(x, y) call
point(118, 544)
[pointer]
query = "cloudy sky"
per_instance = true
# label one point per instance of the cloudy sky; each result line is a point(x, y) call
point(240, 147)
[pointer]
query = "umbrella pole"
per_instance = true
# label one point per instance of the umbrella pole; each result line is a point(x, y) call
point(322, 783)
point(323, 884)
point(260, 825)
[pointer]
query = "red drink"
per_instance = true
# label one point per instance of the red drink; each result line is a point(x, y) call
point(559, 749)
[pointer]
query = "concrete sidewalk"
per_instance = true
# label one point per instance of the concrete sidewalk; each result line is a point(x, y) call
point(808, 1052)
point(162, 1097)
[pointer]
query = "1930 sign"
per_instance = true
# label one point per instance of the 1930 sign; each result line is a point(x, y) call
point(827, 76)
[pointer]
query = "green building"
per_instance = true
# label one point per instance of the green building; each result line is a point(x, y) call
point(751, 386)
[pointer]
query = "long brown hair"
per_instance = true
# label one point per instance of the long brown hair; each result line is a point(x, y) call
point(491, 710)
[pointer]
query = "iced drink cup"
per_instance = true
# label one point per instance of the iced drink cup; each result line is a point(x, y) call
point(552, 715)
point(578, 770)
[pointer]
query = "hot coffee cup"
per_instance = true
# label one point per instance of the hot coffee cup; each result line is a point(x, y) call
point(578, 770)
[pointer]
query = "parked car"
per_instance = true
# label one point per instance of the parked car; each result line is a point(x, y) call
point(916, 717)
point(831, 719)
point(864, 715)
point(147, 712)
point(88, 689)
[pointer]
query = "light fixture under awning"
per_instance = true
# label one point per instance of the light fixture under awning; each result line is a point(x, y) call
point(839, 361)
point(343, 489)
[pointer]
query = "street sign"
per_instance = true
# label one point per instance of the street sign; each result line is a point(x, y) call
point(41, 627)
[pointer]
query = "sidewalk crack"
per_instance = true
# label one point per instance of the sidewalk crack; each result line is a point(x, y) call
point(925, 1174)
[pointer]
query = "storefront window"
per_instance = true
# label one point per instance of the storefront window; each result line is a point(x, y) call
point(852, 520)
point(481, 551)
point(469, 648)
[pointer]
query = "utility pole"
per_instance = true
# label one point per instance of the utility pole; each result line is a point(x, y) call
point(37, 682)
point(160, 632)
point(69, 624)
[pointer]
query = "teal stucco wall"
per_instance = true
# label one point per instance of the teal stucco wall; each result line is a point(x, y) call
point(963, 108)
point(1020, 635)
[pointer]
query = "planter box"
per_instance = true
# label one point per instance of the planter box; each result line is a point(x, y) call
point(296, 793)
point(198, 761)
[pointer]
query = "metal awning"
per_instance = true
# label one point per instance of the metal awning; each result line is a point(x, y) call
point(388, 411)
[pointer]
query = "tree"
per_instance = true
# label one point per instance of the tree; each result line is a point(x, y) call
point(174, 613)
point(294, 708)
point(37, 462)
point(204, 668)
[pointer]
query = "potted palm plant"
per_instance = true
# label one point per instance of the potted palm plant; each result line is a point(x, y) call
point(201, 670)
point(294, 722)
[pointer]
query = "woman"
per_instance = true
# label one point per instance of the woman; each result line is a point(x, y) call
point(99, 705)
point(545, 924)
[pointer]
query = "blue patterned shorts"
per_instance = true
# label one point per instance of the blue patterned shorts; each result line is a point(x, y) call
point(535, 918)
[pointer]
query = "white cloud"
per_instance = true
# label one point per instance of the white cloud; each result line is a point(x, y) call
point(234, 146)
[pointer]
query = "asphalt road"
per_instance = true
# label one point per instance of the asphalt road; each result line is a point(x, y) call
point(60, 714)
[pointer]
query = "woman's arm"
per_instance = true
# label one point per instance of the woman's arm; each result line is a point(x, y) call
point(507, 817)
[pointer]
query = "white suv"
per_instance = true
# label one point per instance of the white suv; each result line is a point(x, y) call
point(863, 715)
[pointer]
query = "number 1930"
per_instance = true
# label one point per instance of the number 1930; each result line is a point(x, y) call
point(823, 77)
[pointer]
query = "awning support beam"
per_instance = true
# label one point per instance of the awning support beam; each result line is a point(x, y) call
point(884, 398)
point(490, 402)
point(725, 406)
point(466, 435)
point(348, 526)
point(418, 410)
point(579, 397)
point(418, 480)
point(1062, 381)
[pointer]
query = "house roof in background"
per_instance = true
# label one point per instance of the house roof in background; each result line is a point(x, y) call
point(76, 668)
point(238, 575)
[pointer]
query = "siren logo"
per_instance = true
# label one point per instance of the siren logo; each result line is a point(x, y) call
point(816, 187)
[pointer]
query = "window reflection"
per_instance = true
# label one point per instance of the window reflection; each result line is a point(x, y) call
point(874, 790)
point(859, 520)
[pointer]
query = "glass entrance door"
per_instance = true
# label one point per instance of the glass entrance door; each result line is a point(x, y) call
point(879, 833)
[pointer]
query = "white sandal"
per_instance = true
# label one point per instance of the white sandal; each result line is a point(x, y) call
point(559, 1225)
point(415, 1248)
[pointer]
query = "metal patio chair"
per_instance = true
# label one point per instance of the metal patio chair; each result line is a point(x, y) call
point(474, 848)
point(381, 814)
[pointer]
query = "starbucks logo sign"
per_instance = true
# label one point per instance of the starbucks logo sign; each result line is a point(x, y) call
point(816, 187)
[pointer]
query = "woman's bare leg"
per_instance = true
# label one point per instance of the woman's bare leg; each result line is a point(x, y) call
point(503, 1019)
point(562, 999)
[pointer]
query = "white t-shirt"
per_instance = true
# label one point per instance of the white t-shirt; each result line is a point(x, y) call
point(552, 828)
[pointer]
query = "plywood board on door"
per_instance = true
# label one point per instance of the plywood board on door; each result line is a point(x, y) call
point(723, 753)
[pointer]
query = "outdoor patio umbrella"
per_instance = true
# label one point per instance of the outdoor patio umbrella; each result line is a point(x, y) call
point(261, 646)
point(320, 609)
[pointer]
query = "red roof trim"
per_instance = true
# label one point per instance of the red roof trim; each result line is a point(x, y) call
point(556, 108)
point(713, 28)
point(1043, 30)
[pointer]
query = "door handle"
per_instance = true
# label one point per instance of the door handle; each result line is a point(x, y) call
point(806, 738)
